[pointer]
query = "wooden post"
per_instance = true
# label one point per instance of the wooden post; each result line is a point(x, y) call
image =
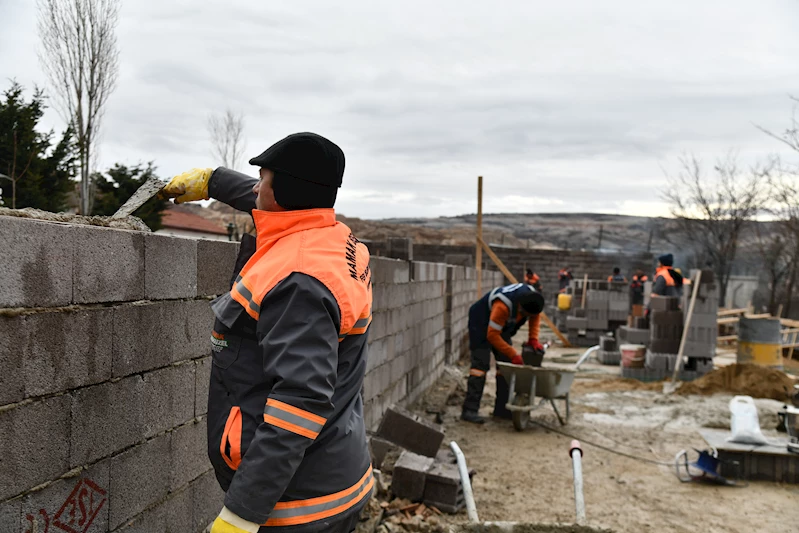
point(779, 311)
point(585, 289)
point(490, 253)
point(479, 253)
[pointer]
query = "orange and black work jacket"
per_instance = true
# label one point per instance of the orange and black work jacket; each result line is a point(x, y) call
point(286, 434)
point(667, 282)
point(496, 317)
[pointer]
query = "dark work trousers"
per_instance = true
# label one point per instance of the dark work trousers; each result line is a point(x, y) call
point(481, 362)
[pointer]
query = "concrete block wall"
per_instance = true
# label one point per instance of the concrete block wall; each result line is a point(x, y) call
point(419, 321)
point(104, 369)
point(104, 372)
point(547, 263)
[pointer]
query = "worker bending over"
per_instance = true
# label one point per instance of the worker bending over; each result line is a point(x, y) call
point(668, 282)
point(286, 435)
point(616, 277)
point(493, 321)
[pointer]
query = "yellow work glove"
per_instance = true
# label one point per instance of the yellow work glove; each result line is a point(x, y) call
point(189, 186)
point(227, 522)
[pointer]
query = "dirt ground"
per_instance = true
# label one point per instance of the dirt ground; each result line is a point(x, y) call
point(527, 476)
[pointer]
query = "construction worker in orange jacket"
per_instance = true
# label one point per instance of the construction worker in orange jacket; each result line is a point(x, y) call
point(668, 282)
point(531, 278)
point(286, 435)
point(637, 287)
point(493, 320)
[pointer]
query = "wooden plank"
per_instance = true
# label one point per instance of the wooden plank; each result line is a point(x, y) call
point(479, 255)
point(729, 312)
point(727, 338)
point(678, 366)
point(490, 253)
point(793, 346)
point(726, 321)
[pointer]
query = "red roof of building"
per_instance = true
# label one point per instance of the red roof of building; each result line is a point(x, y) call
point(176, 218)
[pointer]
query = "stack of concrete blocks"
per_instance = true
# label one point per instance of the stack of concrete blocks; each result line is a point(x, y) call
point(104, 371)
point(618, 305)
point(608, 353)
point(596, 308)
point(628, 335)
point(665, 325)
point(700, 341)
point(423, 472)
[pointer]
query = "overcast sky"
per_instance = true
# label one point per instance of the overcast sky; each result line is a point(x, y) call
point(568, 106)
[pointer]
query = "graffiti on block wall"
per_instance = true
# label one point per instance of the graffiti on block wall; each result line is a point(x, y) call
point(75, 515)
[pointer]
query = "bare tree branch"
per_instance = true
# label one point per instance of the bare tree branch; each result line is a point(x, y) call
point(713, 211)
point(227, 137)
point(78, 51)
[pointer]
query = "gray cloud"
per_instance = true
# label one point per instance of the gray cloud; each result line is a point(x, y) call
point(572, 107)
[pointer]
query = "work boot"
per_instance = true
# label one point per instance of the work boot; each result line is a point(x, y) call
point(471, 416)
point(504, 414)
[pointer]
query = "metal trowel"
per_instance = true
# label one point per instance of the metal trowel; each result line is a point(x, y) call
point(150, 188)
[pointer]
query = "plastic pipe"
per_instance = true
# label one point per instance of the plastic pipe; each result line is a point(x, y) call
point(585, 356)
point(576, 454)
point(468, 495)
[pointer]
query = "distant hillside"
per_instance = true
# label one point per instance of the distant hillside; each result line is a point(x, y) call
point(574, 231)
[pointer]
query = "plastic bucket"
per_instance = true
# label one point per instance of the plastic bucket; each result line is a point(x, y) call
point(633, 355)
point(760, 342)
point(564, 302)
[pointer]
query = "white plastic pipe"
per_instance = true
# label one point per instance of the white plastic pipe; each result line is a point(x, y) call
point(468, 495)
point(579, 503)
point(585, 356)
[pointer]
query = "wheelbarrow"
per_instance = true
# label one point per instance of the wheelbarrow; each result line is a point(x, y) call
point(526, 383)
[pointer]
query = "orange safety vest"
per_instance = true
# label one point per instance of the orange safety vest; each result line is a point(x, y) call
point(664, 271)
point(334, 266)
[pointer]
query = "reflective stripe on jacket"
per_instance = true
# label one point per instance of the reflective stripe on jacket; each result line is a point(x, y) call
point(286, 434)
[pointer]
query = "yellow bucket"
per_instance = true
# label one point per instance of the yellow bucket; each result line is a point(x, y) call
point(760, 342)
point(564, 302)
point(760, 354)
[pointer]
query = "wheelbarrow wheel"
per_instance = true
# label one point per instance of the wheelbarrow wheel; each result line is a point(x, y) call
point(521, 418)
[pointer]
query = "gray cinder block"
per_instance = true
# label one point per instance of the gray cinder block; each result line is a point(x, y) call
point(411, 432)
point(108, 265)
point(443, 488)
point(36, 263)
point(202, 377)
point(188, 453)
point(32, 448)
point(410, 473)
point(74, 501)
point(66, 350)
point(207, 498)
point(215, 263)
point(13, 339)
point(152, 403)
point(170, 267)
point(139, 478)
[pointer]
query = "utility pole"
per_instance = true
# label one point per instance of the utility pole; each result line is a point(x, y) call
point(599, 246)
point(649, 242)
point(479, 243)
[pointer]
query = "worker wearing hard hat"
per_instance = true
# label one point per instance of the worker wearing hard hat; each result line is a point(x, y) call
point(493, 320)
point(286, 433)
